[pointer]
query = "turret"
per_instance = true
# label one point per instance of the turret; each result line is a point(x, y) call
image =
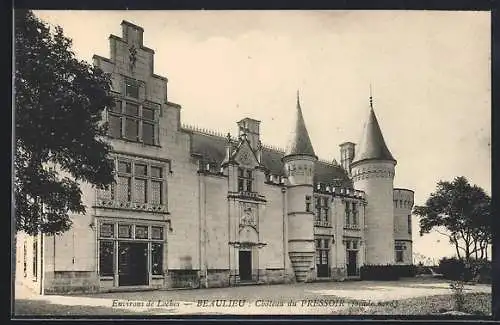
point(373, 172)
point(299, 163)
point(403, 204)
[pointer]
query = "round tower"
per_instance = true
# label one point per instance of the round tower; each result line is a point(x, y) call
point(403, 204)
point(373, 172)
point(299, 163)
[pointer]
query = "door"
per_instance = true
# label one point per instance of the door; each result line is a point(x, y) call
point(322, 264)
point(133, 264)
point(245, 265)
point(352, 263)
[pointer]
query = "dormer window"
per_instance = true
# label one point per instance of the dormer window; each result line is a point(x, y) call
point(245, 180)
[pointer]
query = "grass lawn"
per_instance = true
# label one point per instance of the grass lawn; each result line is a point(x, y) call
point(475, 304)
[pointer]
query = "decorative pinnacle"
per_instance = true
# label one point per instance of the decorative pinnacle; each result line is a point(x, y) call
point(298, 98)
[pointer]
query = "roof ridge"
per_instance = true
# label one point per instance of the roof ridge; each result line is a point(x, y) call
point(205, 131)
point(273, 147)
point(329, 162)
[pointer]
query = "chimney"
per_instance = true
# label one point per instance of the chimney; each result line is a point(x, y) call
point(132, 34)
point(251, 128)
point(347, 155)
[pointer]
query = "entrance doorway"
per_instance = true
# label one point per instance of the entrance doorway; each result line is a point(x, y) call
point(245, 265)
point(352, 263)
point(322, 257)
point(132, 264)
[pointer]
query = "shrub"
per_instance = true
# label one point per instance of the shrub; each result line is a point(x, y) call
point(457, 269)
point(379, 272)
point(481, 270)
point(458, 295)
point(406, 271)
point(452, 268)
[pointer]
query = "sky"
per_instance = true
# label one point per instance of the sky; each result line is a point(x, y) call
point(429, 71)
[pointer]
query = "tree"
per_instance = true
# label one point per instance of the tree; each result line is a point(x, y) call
point(59, 133)
point(464, 211)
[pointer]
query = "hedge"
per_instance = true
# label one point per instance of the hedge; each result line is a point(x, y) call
point(386, 272)
point(456, 269)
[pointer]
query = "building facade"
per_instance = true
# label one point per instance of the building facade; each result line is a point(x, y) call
point(197, 208)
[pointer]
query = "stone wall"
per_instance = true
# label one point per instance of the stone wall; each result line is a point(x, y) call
point(183, 279)
point(338, 274)
point(217, 278)
point(275, 276)
point(72, 282)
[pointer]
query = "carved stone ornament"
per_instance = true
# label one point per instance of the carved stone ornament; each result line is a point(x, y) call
point(248, 217)
point(245, 158)
point(132, 56)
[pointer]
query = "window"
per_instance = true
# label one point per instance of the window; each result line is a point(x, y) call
point(133, 122)
point(321, 215)
point(325, 208)
point(322, 251)
point(123, 184)
point(124, 231)
point(156, 233)
point(317, 215)
point(107, 230)
point(131, 109)
point(131, 129)
point(318, 255)
point(399, 256)
point(131, 88)
point(308, 203)
point(148, 133)
point(124, 167)
point(35, 258)
point(245, 180)
point(347, 213)
point(399, 248)
point(354, 214)
point(108, 244)
point(409, 224)
point(352, 244)
point(157, 258)
point(106, 258)
point(114, 126)
point(139, 182)
point(141, 232)
point(156, 172)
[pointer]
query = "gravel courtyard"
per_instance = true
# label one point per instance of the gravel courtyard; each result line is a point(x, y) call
point(300, 299)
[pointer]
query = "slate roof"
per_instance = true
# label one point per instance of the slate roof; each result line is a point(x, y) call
point(299, 143)
point(372, 145)
point(212, 148)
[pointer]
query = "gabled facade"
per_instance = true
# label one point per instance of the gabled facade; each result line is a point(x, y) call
point(196, 208)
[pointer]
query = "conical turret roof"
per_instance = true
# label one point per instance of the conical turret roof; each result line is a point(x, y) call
point(372, 145)
point(299, 143)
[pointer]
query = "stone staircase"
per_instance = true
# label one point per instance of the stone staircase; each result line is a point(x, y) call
point(301, 263)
